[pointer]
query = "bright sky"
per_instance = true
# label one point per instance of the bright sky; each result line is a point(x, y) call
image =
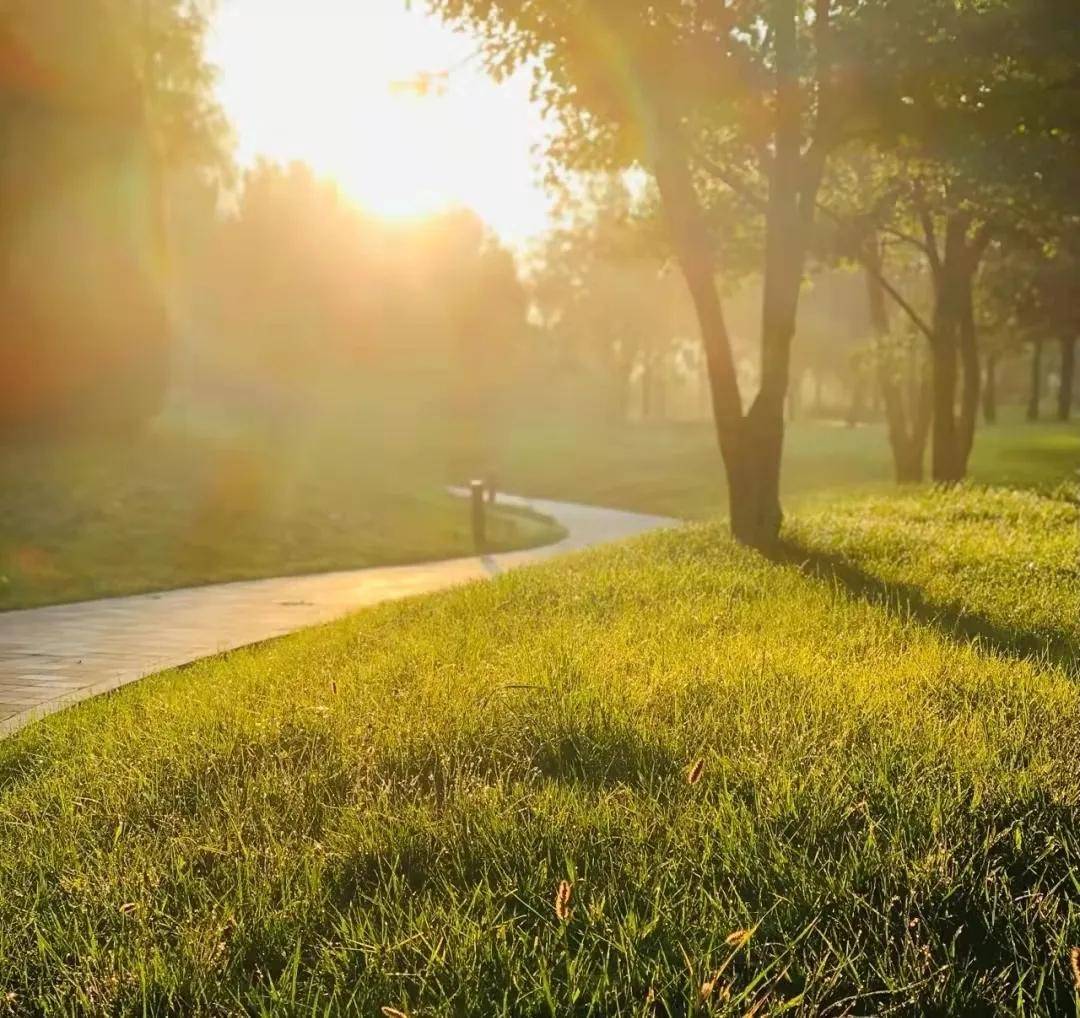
point(311, 80)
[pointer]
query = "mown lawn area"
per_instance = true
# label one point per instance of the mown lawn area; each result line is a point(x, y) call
point(184, 504)
point(176, 508)
point(767, 788)
point(675, 469)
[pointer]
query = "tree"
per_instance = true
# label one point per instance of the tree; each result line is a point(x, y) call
point(975, 105)
point(304, 296)
point(757, 97)
point(93, 121)
point(604, 293)
point(750, 91)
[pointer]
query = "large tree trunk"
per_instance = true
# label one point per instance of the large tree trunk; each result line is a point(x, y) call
point(693, 251)
point(944, 467)
point(1068, 376)
point(990, 389)
point(793, 187)
point(752, 445)
point(1035, 396)
point(955, 344)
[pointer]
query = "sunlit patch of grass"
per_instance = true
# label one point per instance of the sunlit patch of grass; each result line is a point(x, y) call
point(994, 564)
point(383, 813)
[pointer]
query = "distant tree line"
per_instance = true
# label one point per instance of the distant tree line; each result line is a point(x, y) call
point(291, 288)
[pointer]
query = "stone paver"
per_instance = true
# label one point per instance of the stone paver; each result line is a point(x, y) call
point(51, 657)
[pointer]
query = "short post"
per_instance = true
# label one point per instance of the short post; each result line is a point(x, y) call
point(492, 488)
point(479, 519)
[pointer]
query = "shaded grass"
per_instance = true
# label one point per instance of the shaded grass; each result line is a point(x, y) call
point(378, 813)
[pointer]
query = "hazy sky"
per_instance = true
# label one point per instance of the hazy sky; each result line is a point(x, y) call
point(311, 80)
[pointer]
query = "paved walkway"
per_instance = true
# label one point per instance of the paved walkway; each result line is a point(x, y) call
point(52, 657)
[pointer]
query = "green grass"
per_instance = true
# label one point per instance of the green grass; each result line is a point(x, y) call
point(675, 469)
point(1001, 566)
point(174, 508)
point(378, 813)
point(346, 487)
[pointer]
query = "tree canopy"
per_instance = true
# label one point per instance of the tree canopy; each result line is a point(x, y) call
point(100, 102)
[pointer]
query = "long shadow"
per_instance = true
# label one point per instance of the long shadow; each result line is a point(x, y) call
point(955, 621)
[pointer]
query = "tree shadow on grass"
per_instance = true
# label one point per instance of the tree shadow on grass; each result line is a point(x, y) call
point(1057, 647)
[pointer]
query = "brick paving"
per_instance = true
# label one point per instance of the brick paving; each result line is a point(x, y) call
point(52, 657)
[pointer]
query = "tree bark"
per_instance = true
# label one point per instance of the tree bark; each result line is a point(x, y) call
point(1035, 397)
point(990, 389)
point(686, 224)
point(955, 346)
point(752, 444)
point(972, 374)
point(792, 190)
point(1068, 376)
point(946, 374)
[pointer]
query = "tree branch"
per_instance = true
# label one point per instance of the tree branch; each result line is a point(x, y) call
point(741, 188)
point(926, 219)
point(759, 204)
point(898, 298)
point(907, 238)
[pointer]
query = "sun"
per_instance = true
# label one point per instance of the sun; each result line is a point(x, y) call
point(321, 81)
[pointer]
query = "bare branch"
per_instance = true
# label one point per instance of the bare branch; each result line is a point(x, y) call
point(906, 238)
point(917, 320)
point(727, 177)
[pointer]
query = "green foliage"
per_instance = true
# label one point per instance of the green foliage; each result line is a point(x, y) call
point(378, 814)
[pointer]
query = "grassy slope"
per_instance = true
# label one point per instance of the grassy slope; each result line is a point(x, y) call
point(378, 813)
point(170, 510)
point(942, 555)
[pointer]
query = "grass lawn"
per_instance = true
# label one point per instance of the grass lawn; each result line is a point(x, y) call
point(379, 813)
point(675, 470)
point(175, 509)
point(355, 488)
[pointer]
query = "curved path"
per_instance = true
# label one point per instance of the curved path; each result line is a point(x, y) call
point(51, 657)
